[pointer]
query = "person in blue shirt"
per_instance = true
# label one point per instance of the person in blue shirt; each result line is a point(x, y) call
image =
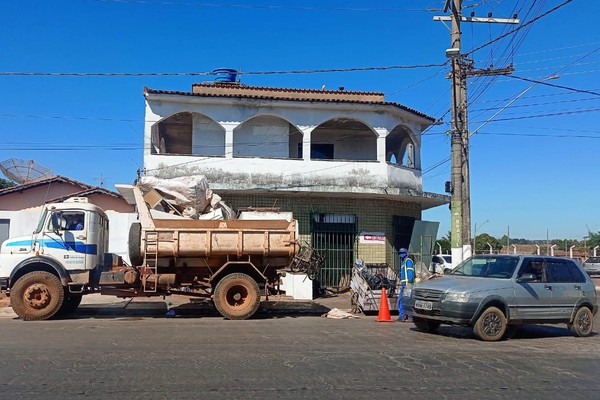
point(76, 224)
point(407, 278)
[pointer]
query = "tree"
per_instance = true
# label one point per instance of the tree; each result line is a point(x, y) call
point(445, 245)
point(483, 239)
point(593, 239)
point(5, 183)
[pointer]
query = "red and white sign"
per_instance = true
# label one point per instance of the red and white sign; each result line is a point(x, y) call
point(372, 237)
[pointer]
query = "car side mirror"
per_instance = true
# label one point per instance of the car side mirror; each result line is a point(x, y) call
point(528, 277)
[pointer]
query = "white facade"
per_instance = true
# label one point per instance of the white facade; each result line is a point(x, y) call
point(244, 143)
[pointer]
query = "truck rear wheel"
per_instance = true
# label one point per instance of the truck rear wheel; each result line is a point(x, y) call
point(70, 303)
point(37, 296)
point(135, 244)
point(237, 296)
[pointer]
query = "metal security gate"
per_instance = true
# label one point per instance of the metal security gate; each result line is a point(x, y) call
point(334, 237)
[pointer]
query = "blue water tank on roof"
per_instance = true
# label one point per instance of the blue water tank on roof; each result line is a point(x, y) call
point(225, 74)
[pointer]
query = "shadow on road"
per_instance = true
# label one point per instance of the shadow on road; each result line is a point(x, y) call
point(194, 309)
point(521, 333)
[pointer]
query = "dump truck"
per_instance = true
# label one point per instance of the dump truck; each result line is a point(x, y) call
point(231, 262)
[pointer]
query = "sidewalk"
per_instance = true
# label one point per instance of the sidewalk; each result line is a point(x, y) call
point(99, 305)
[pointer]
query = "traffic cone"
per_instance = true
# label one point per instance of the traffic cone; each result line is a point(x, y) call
point(384, 308)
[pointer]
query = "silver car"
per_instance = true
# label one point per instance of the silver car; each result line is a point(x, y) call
point(490, 292)
point(592, 266)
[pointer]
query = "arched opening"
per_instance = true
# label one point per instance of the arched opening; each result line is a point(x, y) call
point(399, 148)
point(343, 139)
point(267, 136)
point(187, 133)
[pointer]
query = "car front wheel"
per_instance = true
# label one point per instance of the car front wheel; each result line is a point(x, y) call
point(491, 325)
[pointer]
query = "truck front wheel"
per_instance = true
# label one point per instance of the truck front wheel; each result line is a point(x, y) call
point(37, 296)
point(237, 296)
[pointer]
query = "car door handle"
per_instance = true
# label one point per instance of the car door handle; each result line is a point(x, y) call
point(578, 287)
point(81, 237)
point(548, 287)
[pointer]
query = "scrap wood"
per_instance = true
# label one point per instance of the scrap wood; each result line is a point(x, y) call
point(336, 313)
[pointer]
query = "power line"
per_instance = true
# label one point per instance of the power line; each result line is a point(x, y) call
point(263, 7)
point(518, 28)
point(554, 85)
point(536, 104)
point(206, 73)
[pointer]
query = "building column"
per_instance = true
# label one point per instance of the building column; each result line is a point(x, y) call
point(381, 139)
point(229, 127)
point(306, 140)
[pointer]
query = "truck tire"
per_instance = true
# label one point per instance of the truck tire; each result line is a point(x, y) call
point(583, 323)
point(37, 296)
point(70, 303)
point(491, 325)
point(237, 296)
point(135, 244)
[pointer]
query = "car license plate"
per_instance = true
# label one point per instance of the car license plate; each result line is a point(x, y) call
point(423, 305)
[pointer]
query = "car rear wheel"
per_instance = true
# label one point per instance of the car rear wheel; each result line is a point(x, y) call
point(491, 325)
point(583, 323)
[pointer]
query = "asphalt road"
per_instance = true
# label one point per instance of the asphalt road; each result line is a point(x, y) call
point(149, 356)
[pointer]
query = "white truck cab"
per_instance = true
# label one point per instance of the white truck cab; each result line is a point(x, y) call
point(58, 261)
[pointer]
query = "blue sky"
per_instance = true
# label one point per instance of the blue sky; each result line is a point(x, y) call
point(534, 168)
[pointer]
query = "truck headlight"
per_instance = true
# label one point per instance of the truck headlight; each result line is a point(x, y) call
point(457, 297)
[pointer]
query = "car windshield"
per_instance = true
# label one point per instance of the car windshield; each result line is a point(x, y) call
point(448, 259)
point(487, 267)
point(593, 260)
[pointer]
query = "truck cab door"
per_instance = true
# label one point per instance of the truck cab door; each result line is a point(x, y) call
point(66, 239)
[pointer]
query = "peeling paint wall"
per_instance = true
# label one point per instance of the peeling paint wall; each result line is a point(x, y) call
point(246, 143)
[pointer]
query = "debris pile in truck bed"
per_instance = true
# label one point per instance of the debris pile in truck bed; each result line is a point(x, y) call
point(187, 196)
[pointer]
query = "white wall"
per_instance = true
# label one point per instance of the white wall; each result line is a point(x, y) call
point(22, 223)
point(208, 137)
point(262, 137)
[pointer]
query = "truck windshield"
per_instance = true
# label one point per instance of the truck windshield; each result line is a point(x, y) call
point(487, 267)
point(41, 222)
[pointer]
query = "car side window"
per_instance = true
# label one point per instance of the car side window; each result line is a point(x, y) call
point(436, 259)
point(564, 271)
point(534, 266)
point(576, 273)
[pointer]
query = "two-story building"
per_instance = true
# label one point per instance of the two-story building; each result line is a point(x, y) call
point(347, 164)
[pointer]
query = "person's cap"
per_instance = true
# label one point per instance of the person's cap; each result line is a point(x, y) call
point(403, 251)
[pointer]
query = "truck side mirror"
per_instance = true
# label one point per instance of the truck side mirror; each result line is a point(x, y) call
point(54, 222)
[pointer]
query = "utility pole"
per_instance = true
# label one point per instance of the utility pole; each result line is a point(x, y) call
point(462, 68)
